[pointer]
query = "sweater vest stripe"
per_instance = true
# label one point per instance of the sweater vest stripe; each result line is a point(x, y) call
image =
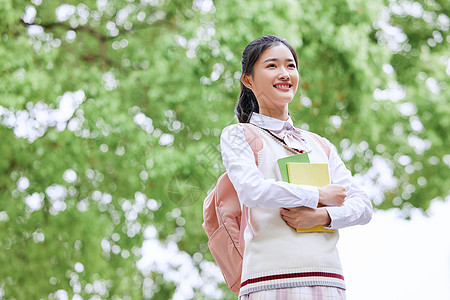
point(292, 275)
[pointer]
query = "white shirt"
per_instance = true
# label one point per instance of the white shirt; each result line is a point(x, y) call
point(255, 191)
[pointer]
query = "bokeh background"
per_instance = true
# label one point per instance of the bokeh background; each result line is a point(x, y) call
point(110, 117)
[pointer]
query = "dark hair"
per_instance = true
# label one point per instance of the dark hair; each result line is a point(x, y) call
point(247, 103)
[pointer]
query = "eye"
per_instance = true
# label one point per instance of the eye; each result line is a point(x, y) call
point(271, 65)
point(291, 65)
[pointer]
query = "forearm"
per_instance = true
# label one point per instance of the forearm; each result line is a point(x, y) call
point(352, 212)
point(357, 208)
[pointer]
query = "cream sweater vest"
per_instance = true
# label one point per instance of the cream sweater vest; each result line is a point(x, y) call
point(276, 256)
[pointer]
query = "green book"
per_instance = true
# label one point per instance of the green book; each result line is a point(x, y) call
point(297, 158)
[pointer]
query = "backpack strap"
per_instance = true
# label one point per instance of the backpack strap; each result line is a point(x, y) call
point(253, 138)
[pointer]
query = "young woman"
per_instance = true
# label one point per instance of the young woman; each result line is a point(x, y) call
point(280, 263)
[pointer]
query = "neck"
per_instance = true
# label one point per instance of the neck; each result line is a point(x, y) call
point(280, 113)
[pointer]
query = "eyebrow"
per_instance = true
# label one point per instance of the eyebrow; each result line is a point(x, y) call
point(276, 59)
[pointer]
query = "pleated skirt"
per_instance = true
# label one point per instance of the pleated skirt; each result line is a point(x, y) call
point(298, 293)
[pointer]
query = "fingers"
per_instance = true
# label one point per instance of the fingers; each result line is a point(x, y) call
point(287, 218)
point(295, 215)
point(286, 214)
point(291, 225)
point(303, 217)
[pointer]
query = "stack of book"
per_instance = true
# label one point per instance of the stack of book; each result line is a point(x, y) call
point(298, 170)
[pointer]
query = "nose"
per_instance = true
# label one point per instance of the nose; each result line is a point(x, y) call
point(284, 75)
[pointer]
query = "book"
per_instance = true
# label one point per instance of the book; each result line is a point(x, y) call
point(282, 164)
point(298, 170)
point(308, 174)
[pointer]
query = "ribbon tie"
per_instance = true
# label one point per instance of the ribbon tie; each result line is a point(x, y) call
point(292, 137)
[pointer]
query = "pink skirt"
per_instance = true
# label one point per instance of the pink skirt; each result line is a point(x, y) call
point(298, 293)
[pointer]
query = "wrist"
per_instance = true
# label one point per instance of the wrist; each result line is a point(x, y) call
point(319, 201)
point(325, 217)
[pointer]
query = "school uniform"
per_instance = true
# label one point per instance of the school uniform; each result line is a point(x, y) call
point(280, 263)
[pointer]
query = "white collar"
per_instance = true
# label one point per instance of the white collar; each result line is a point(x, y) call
point(284, 130)
point(270, 123)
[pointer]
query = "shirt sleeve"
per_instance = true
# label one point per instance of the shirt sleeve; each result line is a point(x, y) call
point(252, 189)
point(357, 208)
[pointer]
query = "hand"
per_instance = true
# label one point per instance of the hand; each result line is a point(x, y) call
point(332, 195)
point(305, 217)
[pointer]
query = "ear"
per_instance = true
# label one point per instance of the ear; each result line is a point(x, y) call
point(246, 81)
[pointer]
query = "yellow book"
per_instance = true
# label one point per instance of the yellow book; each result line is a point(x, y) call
point(309, 174)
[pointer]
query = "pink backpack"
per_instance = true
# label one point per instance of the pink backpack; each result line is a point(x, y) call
point(222, 216)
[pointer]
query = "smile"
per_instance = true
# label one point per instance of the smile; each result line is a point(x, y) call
point(283, 86)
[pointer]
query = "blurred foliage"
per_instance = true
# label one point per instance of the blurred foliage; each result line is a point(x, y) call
point(154, 83)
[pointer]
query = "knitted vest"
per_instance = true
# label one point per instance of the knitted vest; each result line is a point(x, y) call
point(276, 256)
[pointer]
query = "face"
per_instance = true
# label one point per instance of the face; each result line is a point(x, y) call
point(274, 81)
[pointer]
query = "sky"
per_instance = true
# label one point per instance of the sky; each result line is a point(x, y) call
point(395, 259)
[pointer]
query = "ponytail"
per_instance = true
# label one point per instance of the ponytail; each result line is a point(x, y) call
point(247, 104)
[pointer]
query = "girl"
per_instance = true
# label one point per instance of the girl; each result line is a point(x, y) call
point(280, 263)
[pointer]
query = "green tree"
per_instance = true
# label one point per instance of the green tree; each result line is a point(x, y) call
point(111, 111)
